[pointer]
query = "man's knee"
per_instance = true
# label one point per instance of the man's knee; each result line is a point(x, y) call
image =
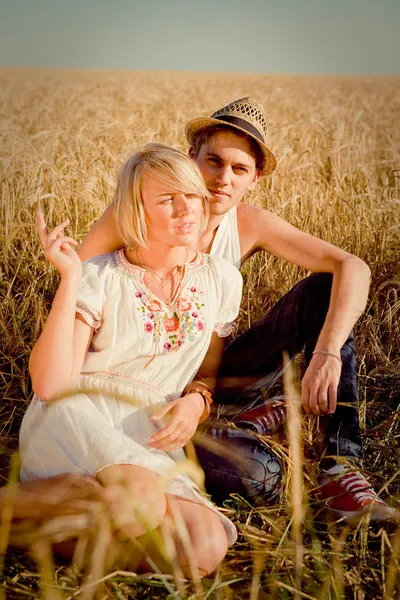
point(264, 477)
point(244, 466)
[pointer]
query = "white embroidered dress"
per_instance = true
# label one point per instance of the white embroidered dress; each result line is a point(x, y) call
point(142, 354)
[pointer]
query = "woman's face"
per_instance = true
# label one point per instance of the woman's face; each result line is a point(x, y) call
point(172, 217)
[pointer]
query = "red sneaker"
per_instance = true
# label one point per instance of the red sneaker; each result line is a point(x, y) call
point(349, 496)
point(264, 418)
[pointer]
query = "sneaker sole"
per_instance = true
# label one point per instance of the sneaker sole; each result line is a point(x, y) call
point(376, 513)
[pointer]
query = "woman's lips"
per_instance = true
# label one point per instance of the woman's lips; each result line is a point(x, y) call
point(184, 228)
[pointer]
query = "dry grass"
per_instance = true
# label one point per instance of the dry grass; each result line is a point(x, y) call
point(63, 136)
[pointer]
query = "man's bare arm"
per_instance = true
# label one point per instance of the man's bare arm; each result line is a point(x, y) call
point(349, 294)
point(351, 275)
point(102, 238)
point(209, 368)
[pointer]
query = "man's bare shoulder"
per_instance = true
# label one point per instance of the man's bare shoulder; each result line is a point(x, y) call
point(254, 226)
point(261, 229)
point(248, 211)
point(254, 218)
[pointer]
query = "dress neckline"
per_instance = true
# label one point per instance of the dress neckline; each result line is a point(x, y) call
point(131, 268)
point(138, 271)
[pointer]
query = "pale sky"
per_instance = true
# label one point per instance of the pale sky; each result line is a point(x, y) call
point(259, 36)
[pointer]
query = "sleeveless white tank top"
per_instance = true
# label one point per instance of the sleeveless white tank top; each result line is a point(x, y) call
point(226, 242)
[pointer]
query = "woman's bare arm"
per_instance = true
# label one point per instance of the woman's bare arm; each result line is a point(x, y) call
point(57, 357)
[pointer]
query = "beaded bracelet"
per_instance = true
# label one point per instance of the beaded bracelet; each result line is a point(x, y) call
point(326, 353)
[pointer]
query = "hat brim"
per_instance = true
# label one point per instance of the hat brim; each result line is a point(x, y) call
point(195, 125)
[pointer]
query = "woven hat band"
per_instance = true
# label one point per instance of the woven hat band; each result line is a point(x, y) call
point(243, 124)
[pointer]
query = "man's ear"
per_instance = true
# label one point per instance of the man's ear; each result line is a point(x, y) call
point(256, 179)
point(191, 153)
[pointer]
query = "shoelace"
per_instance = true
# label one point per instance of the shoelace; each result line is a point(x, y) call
point(356, 484)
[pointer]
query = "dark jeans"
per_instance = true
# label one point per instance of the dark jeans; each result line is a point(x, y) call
point(292, 325)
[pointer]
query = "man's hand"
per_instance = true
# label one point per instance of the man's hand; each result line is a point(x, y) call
point(186, 412)
point(319, 385)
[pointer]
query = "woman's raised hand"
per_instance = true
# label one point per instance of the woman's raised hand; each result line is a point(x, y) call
point(57, 247)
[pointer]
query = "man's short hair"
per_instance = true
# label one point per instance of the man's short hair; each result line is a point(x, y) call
point(203, 136)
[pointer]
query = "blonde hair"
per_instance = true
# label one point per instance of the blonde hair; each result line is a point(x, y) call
point(169, 166)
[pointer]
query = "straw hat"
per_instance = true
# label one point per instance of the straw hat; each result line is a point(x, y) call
point(245, 114)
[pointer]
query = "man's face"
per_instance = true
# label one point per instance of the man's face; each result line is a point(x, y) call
point(228, 168)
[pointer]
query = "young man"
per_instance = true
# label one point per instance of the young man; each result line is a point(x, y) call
point(317, 315)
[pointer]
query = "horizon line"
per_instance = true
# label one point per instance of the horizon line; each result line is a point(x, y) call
point(198, 72)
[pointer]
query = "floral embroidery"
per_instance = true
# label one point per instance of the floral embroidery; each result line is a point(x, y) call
point(154, 305)
point(170, 326)
point(183, 304)
point(174, 325)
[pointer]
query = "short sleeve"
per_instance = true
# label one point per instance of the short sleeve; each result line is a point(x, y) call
point(231, 296)
point(91, 293)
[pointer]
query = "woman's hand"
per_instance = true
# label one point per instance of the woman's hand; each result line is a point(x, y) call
point(57, 247)
point(186, 412)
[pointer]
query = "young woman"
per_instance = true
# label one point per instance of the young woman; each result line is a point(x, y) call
point(125, 337)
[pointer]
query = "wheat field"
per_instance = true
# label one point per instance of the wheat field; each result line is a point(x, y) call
point(64, 135)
